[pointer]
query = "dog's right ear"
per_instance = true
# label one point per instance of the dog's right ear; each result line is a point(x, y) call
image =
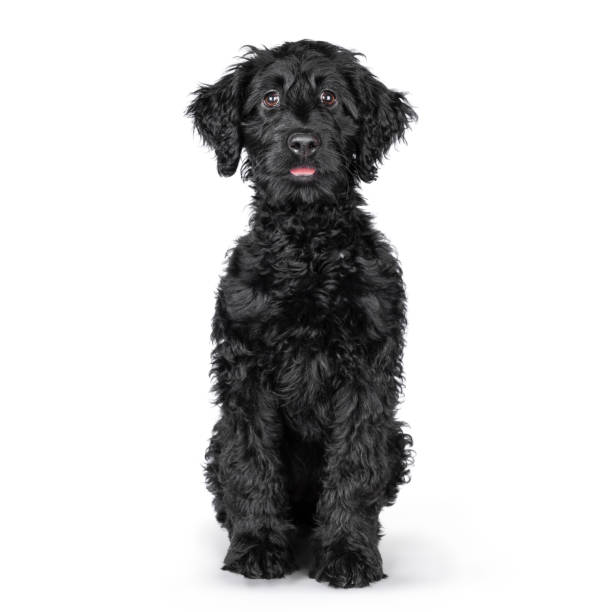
point(216, 112)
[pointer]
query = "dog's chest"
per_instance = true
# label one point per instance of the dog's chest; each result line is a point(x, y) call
point(317, 295)
point(309, 316)
point(325, 297)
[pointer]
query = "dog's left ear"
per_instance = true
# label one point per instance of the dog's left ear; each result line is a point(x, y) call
point(216, 111)
point(383, 115)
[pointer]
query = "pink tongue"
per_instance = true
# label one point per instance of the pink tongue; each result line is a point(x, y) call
point(302, 171)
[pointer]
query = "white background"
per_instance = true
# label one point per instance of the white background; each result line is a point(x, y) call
point(113, 229)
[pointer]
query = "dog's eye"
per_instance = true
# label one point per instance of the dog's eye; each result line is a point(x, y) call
point(271, 99)
point(328, 97)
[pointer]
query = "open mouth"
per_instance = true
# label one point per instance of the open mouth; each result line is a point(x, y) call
point(303, 171)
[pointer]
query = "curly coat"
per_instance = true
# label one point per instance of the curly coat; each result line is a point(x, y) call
point(310, 315)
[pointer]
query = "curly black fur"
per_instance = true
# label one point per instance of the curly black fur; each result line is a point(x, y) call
point(310, 316)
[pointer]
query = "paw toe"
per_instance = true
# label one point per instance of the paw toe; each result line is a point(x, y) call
point(348, 569)
point(259, 559)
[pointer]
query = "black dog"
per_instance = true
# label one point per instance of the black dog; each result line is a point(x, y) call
point(310, 315)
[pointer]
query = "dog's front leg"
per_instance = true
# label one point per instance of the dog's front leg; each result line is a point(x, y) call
point(245, 470)
point(358, 468)
point(254, 490)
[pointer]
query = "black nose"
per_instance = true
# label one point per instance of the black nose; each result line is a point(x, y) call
point(304, 144)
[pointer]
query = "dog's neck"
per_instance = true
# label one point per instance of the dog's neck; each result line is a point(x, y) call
point(299, 218)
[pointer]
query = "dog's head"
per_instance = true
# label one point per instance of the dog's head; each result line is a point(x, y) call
point(311, 118)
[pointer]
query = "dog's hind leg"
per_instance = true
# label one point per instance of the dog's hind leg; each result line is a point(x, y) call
point(213, 483)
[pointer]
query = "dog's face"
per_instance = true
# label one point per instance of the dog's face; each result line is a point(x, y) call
point(311, 118)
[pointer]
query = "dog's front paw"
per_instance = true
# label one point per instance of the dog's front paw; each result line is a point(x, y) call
point(257, 557)
point(346, 568)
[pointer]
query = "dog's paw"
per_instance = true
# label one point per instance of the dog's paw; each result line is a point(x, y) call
point(256, 557)
point(345, 568)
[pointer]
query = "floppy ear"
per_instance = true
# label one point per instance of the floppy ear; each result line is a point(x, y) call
point(216, 115)
point(383, 115)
